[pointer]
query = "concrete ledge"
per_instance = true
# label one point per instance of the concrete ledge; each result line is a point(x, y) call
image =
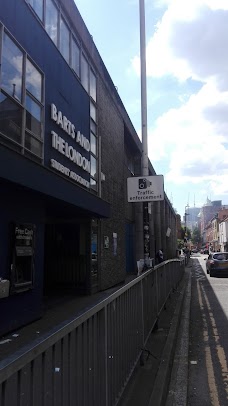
point(161, 384)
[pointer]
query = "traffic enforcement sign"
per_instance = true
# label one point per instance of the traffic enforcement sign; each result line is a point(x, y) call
point(145, 189)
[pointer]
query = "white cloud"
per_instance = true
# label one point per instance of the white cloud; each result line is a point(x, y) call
point(191, 42)
point(193, 144)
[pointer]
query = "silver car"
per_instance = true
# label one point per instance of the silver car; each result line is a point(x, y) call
point(217, 263)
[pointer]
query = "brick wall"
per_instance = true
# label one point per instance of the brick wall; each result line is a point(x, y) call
point(111, 131)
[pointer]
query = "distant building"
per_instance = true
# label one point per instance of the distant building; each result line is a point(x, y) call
point(208, 211)
point(223, 234)
point(192, 218)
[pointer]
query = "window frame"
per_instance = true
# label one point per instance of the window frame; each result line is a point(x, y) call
point(64, 21)
point(92, 73)
point(33, 9)
point(83, 57)
point(10, 36)
point(22, 104)
point(76, 42)
point(57, 23)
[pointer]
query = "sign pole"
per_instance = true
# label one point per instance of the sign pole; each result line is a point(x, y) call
point(145, 171)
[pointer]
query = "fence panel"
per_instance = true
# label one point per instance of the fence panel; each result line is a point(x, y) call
point(150, 302)
point(89, 361)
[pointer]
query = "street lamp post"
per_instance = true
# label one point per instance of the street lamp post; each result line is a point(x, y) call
point(145, 170)
point(185, 219)
point(143, 89)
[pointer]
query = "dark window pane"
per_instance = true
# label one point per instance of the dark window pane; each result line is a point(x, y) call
point(93, 184)
point(37, 5)
point(52, 21)
point(84, 73)
point(93, 112)
point(93, 144)
point(64, 41)
point(33, 80)
point(10, 118)
point(75, 57)
point(93, 86)
point(93, 127)
point(33, 116)
point(12, 61)
point(93, 168)
point(33, 145)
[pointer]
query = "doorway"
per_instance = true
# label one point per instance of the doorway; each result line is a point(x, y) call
point(66, 265)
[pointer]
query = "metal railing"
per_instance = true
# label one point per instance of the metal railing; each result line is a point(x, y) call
point(89, 361)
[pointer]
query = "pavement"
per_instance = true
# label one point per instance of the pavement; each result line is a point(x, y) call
point(162, 379)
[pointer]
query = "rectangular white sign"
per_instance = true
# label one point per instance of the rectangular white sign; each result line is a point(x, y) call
point(145, 189)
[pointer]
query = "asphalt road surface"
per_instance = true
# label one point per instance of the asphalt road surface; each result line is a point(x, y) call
point(208, 341)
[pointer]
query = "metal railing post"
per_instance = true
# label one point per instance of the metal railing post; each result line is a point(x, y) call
point(142, 308)
point(106, 352)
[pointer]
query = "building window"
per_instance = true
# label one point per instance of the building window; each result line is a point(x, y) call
point(93, 86)
point(64, 40)
point(33, 81)
point(33, 145)
point(58, 30)
point(93, 112)
point(21, 109)
point(84, 73)
point(37, 6)
point(93, 143)
point(93, 127)
point(51, 24)
point(93, 163)
point(75, 57)
point(11, 72)
point(93, 184)
point(10, 118)
point(33, 116)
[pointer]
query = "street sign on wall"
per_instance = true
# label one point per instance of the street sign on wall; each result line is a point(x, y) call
point(145, 189)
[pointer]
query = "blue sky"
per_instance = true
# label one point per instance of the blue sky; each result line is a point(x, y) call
point(187, 86)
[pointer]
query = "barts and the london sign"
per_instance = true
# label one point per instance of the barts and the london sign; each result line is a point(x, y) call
point(145, 189)
point(68, 150)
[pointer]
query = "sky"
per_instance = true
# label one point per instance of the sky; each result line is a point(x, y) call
point(187, 87)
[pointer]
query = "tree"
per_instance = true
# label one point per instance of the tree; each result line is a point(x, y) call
point(196, 237)
point(186, 233)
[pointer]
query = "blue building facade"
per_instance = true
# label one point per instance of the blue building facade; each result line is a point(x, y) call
point(48, 163)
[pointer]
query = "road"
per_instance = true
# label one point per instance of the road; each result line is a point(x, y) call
point(208, 340)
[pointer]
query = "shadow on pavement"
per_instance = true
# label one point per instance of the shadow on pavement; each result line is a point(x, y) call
point(208, 348)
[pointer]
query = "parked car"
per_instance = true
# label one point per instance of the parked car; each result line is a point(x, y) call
point(194, 250)
point(217, 263)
